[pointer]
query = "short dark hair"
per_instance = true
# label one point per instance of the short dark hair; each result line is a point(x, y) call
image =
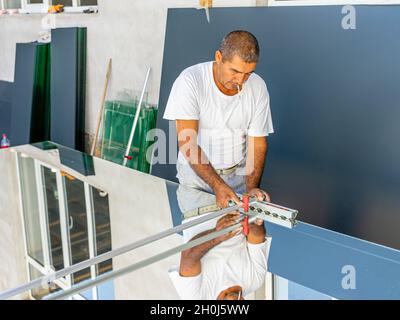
point(241, 43)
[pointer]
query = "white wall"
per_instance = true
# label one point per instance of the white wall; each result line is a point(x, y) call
point(12, 258)
point(131, 32)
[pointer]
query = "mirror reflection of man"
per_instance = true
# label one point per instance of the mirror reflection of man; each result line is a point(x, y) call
point(226, 268)
point(223, 117)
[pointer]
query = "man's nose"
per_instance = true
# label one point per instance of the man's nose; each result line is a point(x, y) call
point(240, 79)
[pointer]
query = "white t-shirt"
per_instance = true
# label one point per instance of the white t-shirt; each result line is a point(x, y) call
point(224, 121)
point(233, 262)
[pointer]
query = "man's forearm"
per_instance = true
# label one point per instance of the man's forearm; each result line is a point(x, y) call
point(203, 168)
point(208, 174)
point(200, 250)
point(254, 180)
point(190, 258)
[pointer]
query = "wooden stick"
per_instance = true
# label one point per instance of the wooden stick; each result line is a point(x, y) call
point(101, 107)
point(205, 3)
point(67, 175)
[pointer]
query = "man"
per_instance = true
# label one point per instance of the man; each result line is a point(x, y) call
point(223, 117)
point(228, 267)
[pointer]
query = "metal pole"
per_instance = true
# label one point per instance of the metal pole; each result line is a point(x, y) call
point(109, 255)
point(136, 119)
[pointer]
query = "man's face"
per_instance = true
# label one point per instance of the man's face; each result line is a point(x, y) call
point(233, 73)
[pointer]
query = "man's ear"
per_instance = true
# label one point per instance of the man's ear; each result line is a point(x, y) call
point(218, 56)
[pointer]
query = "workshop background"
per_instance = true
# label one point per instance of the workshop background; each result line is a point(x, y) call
point(334, 88)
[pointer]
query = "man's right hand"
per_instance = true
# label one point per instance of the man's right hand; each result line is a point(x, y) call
point(226, 221)
point(223, 194)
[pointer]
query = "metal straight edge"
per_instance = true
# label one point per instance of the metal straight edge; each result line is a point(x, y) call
point(288, 224)
point(144, 263)
point(287, 212)
point(109, 255)
point(273, 205)
point(128, 149)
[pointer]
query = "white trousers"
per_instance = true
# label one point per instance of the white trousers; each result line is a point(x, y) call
point(188, 177)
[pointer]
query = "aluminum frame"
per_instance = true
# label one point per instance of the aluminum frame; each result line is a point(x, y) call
point(46, 269)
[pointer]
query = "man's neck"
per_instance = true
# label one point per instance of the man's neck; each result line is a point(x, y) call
point(220, 86)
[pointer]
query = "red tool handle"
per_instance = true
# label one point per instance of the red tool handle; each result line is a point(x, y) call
point(245, 200)
point(129, 157)
point(246, 226)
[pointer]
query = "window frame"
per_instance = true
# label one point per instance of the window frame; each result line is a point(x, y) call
point(289, 3)
point(65, 282)
point(3, 5)
point(44, 7)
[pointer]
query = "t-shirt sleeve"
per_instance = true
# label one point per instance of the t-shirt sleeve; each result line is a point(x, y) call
point(183, 100)
point(261, 122)
point(259, 254)
point(188, 288)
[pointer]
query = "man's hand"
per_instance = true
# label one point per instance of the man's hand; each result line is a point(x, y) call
point(226, 221)
point(259, 194)
point(258, 222)
point(223, 194)
point(257, 231)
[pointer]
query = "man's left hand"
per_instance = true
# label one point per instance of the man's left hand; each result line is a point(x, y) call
point(259, 194)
